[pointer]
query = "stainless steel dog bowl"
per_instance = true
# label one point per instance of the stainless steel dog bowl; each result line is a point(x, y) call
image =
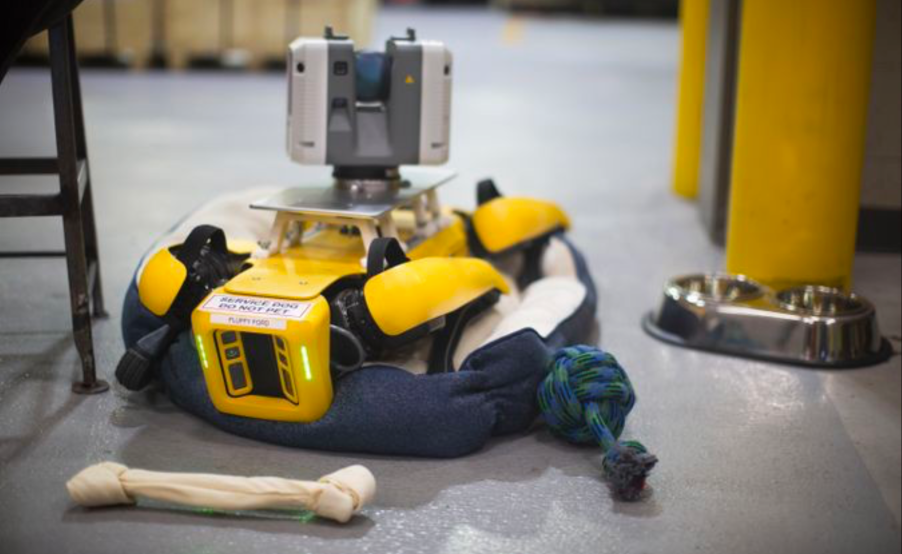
point(822, 301)
point(717, 287)
point(732, 314)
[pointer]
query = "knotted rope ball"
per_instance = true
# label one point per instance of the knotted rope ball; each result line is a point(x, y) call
point(585, 399)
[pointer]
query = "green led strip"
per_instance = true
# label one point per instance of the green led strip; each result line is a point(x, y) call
point(201, 350)
point(308, 374)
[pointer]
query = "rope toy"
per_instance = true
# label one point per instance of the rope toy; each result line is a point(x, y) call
point(337, 496)
point(585, 399)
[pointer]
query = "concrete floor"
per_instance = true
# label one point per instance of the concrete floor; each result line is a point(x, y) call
point(754, 457)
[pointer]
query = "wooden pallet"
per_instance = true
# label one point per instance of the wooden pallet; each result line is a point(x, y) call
point(247, 33)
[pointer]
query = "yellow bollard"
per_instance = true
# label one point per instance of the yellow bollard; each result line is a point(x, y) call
point(688, 144)
point(801, 112)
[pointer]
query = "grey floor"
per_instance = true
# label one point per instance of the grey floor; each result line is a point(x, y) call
point(754, 457)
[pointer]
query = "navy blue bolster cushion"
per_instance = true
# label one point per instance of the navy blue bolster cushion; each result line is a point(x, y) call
point(387, 410)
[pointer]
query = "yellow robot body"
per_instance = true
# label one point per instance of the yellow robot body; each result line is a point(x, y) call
point(161, 281)
point(263, 338)
point(503, 223)
point(276, 366)
point(435, 286)
point(265, 358)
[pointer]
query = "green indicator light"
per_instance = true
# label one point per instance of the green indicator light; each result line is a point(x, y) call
point(201, 350)
point(307, 373)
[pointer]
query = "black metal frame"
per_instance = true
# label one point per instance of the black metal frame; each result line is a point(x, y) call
point(73, 202)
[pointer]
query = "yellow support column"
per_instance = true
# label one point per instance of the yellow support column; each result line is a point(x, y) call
point(801, 112)
point(688, 144)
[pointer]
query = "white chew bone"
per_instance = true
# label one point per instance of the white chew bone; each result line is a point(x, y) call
point(336, 496)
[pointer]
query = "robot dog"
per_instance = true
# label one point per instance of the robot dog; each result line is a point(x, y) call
point(351, 273)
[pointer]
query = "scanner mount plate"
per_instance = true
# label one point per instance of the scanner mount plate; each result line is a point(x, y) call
point(332, 201)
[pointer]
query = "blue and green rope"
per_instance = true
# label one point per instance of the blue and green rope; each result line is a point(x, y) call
point(585, 399)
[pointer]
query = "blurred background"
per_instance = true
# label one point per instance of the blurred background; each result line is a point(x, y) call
point(252, 34)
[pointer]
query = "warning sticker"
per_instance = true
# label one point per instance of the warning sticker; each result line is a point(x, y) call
point(253, 306)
